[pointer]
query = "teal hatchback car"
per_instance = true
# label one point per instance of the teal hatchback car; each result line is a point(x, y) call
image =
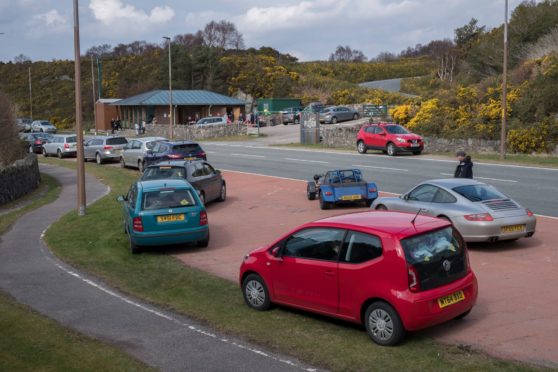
point(164, 212)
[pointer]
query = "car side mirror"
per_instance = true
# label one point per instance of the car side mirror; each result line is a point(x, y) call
point(217, 171)
point(405, 197)
point(275, 252)
point(121, 198)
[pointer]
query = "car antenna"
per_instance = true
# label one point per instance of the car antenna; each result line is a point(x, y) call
point(414, 218)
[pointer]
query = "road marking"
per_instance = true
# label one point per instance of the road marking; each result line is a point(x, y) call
point(484, 178)
point(211, 152)
point(374, 167)
point(308, 161)
point(249, 155)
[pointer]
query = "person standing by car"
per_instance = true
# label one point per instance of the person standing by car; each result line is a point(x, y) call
point(465, 167)
point(112, 125)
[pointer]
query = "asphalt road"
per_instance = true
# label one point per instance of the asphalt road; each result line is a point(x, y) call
point(164, 340)
point(534, 188)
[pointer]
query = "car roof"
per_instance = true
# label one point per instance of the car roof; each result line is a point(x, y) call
point(450, 183)
point(64, 135)
point(153, 185)
point(176, 163)
point(149, 139)
point(185, 142)
point(395, 223)
point(106, 137)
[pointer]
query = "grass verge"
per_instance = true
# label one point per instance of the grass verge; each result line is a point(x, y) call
point(48, 191)
point(96, 243)
point(32, 342)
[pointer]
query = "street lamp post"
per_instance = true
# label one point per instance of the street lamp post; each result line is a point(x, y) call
point(171, 111)
point(79, 124)
point(504, 88)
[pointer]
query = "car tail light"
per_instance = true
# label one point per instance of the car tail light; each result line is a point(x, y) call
point(107, 147)
point(203, 218)
point(175, 156)
point(413, 276)
point(372, 190)
point(203, 154)
point(479, 217)
point(137, 224)
point(328, 193)
point(529, 213)
point(38, 142)
point(66, 146)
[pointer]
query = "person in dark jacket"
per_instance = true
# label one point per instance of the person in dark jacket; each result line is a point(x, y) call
point(465, 167)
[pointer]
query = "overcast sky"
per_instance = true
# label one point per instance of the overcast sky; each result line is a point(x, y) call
point(311, 29)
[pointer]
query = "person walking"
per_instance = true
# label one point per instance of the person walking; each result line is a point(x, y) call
point(465, 167)
point(112, 125)
point(137, 128)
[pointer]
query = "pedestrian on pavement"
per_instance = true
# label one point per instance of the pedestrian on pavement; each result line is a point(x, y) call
point(137, 128)
point(142, 128)
point(112, 125)
point(465, 167)
point(118, 124)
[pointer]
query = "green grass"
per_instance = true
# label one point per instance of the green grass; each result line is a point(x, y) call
point(32, 342)
point(48, 191)
point(96, 243)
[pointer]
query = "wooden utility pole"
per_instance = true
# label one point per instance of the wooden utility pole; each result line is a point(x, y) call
point(503, 135)
point(93, 91)
point(79, 123)
point(30, 96)
point(171, 111)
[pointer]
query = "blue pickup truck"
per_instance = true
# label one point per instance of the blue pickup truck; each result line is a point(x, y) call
point(341, 186)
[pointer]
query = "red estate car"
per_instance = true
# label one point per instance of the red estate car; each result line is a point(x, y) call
point(390, 138)
point(392, 271)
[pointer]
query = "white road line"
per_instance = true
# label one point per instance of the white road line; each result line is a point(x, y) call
point(211, 152)
point(485, 178)
point(307, 161)
point(374, 167)
point(249, 155)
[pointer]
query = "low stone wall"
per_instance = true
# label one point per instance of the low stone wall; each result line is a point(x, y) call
point(19, 179)
point(190, 132)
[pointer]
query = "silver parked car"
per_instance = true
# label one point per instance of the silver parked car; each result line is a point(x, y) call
point(479, 211)
point(43, 126)
point(60, 145)
point(104, 148)
point(334, 114)
point(211, 121)
point(135, 150)
point(24, 124)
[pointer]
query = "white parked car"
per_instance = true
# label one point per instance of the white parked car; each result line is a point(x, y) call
point(43, 126)
point(135, 150)
point(211, 121)
point(60, 145)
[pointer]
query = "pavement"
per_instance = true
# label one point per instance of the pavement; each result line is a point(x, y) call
point(515, 316)
point(161, 339)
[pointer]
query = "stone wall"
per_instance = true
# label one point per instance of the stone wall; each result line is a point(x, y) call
point(19, 179)
point(190, 132)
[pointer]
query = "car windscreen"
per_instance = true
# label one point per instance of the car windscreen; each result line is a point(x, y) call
point(396, 129)
point(72, 139)
point(167, 198)
point(186, 148)
point(438, 256)
point(477, 193)
point(117, 141)
point(163, 172)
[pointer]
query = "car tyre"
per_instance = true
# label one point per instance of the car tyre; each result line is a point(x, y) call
point(255, 292)
point(334, 120)
point(355, 117)
point(223, 193)
point(45, 153)
point(390, 149)
point(297, 121)
point(369, 202)
point(59, 154)
point(141, 166)
point(381, 207)
point(122, 163)
point(361, 147)
point(134, 248)
point(203, 243)
point(202, 197)
point(417, 152)
point(311, 195)
point(383, 324)
point(323, 204)
point(98, 159)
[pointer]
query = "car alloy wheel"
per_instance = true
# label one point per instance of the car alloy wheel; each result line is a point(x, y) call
point(59, 154)
point(334, 120)
point(355, 117)
point(141, 166)
point(255, 292)
point(45, 152)
point(202, 198)
point(390, 149)
point(361, 147)
point(122, 163)
point(383, 324)
point(98, 159)
point(223, 194)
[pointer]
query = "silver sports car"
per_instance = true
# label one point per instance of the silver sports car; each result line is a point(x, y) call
point(479, 211)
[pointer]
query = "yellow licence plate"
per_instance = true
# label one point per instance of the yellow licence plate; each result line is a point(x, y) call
point(171, 218)
point(512, 229)
point(351, 197)
point(451, 299)
point(190, 158)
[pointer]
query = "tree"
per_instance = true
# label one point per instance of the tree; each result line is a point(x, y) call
point(222, 35)
point(468, 33)
point(446, 57)
point(22, 59)
point(99, 51)
point(346, 54)
point(9, 153)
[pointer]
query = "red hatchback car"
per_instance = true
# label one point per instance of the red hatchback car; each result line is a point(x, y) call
point(392, 271)
point(390, 138)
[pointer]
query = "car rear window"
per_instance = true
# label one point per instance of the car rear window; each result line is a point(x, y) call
point(168, 198)
point(164, 172)
point(71, 139)
point(438, 256)
point(187, 148)
point(117, 141)
point(477, 193)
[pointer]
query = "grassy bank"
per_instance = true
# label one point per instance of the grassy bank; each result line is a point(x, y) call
point(48, 191)
point(32, 342)
point(96, 243)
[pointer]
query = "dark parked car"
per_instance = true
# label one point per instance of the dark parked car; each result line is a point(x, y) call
point(35, 141)
point(207, 180)
point(167, 150)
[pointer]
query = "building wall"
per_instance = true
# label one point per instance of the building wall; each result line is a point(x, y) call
point(184, 114)
point(105, 112)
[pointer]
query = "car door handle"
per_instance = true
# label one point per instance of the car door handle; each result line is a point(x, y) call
point(330, 273)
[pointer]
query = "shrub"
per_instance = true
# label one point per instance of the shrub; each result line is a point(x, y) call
point(12, 147)
point(538, 138)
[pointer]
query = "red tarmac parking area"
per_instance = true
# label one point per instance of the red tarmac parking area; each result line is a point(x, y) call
point(516, 315)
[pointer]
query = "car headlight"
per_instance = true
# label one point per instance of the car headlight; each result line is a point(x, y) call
point(400, 139)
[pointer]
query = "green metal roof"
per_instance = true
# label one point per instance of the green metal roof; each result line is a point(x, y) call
point(180, 98)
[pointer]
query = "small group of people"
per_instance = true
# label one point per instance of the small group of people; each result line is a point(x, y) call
point(115, 124)
point(139, 127)
point(465, 167)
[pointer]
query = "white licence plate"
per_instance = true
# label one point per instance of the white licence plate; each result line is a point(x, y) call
point(415, 145)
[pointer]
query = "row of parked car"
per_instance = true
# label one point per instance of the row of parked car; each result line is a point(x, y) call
point(42, 126)
point(328, 115)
